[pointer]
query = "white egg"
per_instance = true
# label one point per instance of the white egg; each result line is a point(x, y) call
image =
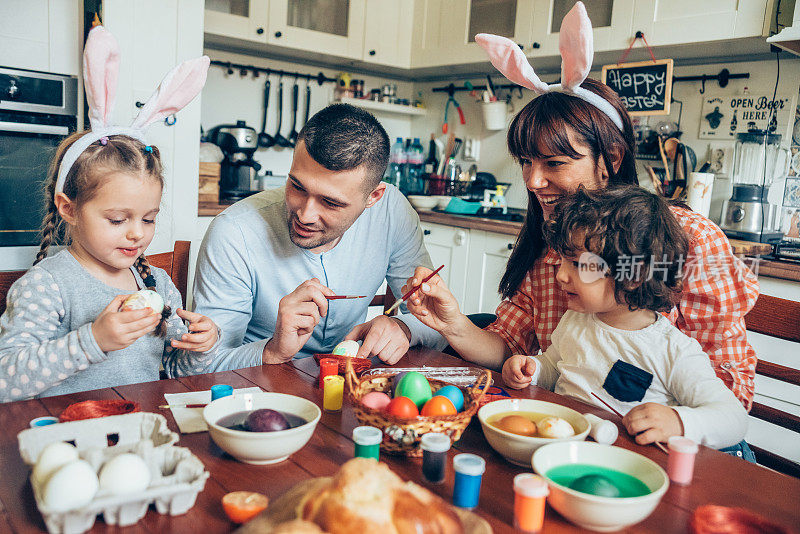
point(145, 298)
point(554, 427)
point(71, 486)
point(51, 458)
point(123, 474)
point(346, 348)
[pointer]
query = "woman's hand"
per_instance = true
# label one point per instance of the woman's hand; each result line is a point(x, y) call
point(432, 304)
point(203, 333)
point(518, 370)
point(115, 330)
point(651, 422)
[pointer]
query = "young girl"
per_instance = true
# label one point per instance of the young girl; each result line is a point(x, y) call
point(622, 261)
point(63, 330)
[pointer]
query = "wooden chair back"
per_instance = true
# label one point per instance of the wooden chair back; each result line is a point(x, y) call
point(386, 300)
point(778, 318)
point(176, 263)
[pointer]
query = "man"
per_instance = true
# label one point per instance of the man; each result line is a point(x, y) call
point(268, 263)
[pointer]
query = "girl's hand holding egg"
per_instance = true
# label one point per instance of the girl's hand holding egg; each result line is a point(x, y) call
point(203, 333)
point(518, 370)
point(115, 330)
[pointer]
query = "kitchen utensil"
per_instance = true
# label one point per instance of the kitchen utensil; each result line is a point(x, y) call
point(264, 139)
point(308, 104)
point(456, 147)
point(293, 133)
point(238, 169)
point(451, 100)
point(654, 179)
point(664, 160)
point(280, 140)
point(402, 299)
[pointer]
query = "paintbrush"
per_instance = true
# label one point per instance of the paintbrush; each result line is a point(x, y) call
point(656, 443)
point(198, 405)
point(341, 297)
point(402, 299)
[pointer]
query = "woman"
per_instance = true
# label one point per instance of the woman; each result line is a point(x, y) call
point(563, 142)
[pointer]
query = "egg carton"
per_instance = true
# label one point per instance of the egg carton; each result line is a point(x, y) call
point(176, 475)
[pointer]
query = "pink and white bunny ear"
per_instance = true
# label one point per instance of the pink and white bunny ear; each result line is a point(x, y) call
point(100, 74)
point(575, 42)
point(178, 88)
point(506, 57)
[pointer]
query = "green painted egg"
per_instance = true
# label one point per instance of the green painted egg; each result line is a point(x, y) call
point(595, 485)
point(416, 387)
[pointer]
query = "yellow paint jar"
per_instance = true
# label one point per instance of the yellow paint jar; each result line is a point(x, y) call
point(332, 393)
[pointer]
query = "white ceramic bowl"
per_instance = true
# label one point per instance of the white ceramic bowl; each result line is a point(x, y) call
point(423, 202)
point(262, 447)
point(517, 449)
point(601, 514)
point(442, 201)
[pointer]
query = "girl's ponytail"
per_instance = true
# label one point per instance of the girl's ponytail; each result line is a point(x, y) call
point(49, 229)
point(143, 267)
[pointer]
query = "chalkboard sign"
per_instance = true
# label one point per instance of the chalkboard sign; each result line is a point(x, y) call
point(645, 87)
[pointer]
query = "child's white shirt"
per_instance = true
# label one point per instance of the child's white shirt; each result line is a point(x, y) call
point(584, 350)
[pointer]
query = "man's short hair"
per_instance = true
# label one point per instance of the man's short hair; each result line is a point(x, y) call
point(342, 137)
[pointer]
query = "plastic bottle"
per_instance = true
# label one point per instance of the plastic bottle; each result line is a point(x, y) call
point(415, 166)
point(397, 163)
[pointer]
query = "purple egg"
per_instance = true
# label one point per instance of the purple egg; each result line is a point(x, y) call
point(396, 380)
point(266, 420)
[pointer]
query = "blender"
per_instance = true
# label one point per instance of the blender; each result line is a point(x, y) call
point(758, 161)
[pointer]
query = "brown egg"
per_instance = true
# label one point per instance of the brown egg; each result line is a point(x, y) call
point(517, 424)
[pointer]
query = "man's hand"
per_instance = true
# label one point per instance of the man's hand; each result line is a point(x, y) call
point(518, 370)
point(385, 337)
point(651, 422)
point(299, 312)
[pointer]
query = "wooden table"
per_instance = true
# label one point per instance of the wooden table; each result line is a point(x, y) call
point(719, 478)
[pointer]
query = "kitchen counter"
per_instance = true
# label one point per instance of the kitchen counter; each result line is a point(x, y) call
point(785, 270)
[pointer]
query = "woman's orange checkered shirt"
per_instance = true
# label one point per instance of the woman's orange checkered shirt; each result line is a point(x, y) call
point(719, 289)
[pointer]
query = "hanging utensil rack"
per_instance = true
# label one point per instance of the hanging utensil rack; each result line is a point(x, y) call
point(244, 70)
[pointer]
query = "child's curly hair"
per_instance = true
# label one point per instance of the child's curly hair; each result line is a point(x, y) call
point(634, 232)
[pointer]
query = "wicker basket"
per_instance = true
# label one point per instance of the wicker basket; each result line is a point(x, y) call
point(401, 435)
point(360, 364)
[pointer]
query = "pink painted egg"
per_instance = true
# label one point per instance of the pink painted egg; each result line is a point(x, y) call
point(376, 400)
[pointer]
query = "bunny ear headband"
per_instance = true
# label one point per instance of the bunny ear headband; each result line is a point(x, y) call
point(577, 50)
point(100, 73)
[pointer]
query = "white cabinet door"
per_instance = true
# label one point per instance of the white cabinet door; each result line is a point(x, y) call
point(334, 27)
point(611, 20)
point(448, 246)
point(445, 29)
point(488, 256)
point(240, 19)
point(387, 32)
point(690, 21)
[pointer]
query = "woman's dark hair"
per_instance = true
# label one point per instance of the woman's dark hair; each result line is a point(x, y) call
point(343, 137)
point(541, 128)
point(636, 235)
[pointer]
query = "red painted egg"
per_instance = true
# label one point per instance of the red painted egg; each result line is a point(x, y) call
point(402, 407)
point(439, 406)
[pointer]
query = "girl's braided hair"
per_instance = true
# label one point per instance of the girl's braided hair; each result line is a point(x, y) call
point(117, 153)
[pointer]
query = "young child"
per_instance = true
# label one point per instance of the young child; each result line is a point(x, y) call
point(622, 256)
point(63, 330)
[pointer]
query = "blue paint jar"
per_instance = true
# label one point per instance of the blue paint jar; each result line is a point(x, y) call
point(220, 390)
point(43, 421)
point(469, 470)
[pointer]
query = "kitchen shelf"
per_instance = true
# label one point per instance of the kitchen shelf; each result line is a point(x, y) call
point(383, 106)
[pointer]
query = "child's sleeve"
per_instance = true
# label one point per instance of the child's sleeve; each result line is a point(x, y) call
point(547, 374)
point(179, 362)
point(32, 358)
point(711, 414)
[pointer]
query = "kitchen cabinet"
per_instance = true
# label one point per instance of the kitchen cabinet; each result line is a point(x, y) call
point(41, 35)
point(240, 19)
point(388, 27)
point(334, 27)
point(448, 246)
point(611, 23)
point(487, 259)
point(445, 29)
point(689, 21)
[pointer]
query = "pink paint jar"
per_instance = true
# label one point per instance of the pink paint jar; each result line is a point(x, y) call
point(680, 464)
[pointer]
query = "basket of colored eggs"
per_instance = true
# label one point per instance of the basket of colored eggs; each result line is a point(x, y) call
point(344, 352)
point(408, 405)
